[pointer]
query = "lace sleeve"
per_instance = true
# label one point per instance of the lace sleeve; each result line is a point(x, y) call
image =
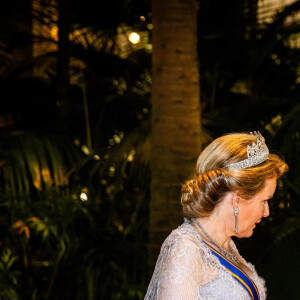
point(180, 271)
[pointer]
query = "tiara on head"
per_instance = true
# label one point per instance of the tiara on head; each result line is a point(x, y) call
point(257, 153)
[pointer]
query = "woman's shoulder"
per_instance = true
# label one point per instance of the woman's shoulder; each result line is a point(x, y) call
point(184, 233)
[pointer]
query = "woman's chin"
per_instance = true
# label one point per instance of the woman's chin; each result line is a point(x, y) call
point(247, 234)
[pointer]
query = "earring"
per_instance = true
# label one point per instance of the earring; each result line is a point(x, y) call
point(236, 212)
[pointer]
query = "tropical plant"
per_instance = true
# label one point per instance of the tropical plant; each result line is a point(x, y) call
point(55, 245)
point(51, 243)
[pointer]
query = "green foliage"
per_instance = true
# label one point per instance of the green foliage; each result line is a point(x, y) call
point(52, 237)
point(34, 162)
point(54, 245)
point(63, 248)
point(9, 277)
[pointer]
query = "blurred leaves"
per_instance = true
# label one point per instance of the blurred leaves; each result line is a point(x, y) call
point(33, 161)
point(58, 238)
point(8, 276)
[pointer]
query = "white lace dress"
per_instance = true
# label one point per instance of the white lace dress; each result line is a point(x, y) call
point(186, 270)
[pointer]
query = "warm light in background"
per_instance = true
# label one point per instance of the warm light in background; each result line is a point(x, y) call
point(134, 38)
point(85, 149)
point(83, 197)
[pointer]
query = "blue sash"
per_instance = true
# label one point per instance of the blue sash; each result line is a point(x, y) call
point(237, 273)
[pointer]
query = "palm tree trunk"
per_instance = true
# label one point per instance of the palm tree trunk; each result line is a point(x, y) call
point(175, 113)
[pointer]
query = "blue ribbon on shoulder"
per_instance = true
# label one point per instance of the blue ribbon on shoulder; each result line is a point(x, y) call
point(237, 273)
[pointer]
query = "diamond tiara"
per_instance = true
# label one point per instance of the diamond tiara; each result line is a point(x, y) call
point(257, 153)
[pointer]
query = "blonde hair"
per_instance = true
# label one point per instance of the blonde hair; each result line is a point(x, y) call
point(199, 196)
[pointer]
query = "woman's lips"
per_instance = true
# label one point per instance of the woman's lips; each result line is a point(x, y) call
point(256, 223)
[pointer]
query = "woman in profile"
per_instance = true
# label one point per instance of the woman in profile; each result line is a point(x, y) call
point(236, 177)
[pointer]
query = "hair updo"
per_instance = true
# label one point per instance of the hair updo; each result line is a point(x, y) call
point(199, 196)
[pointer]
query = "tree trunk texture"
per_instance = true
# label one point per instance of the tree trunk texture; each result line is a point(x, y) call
point(176, 122)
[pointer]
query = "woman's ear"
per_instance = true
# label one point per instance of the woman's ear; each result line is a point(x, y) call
point(235, 200)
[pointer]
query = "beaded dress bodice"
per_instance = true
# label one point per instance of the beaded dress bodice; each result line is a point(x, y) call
point(186, 270)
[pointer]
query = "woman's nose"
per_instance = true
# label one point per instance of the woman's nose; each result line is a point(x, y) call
point(266, 211)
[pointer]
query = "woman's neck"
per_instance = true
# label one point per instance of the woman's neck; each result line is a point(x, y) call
point(219, 225)
point(216, 228)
